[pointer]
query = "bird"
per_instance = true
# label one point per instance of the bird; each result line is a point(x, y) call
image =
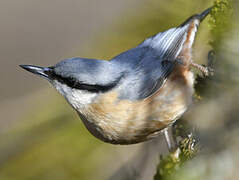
point(136, 95)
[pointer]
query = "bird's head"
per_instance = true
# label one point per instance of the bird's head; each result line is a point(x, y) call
point(68, 86)
point(79, 80)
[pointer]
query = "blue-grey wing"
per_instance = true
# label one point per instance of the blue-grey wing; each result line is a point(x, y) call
point(151, 62)
point(138, 72)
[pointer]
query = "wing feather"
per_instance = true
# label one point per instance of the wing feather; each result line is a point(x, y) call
point(151, 62)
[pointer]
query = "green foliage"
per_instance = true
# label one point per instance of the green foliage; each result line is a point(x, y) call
point(168, 165)
point(187, 149)
point(220, 21)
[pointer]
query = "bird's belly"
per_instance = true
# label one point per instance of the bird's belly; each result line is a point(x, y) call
point(127, 122)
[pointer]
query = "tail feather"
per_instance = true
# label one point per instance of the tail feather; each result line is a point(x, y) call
point(199, 17)
point(204, 14)
point(170, 43)
point(176, 42)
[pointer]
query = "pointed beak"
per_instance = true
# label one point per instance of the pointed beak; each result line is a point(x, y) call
point(41, 71)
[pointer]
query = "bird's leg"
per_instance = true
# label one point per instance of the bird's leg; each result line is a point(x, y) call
point(206, 70)
point(209, 68)
point(168, 135)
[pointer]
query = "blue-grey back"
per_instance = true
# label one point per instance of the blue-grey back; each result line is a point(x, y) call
point(150, 63)
point(136, 73)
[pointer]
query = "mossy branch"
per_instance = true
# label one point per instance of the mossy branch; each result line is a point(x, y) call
point(220, 24)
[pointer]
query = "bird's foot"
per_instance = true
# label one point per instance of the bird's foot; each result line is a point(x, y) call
point(206, 70)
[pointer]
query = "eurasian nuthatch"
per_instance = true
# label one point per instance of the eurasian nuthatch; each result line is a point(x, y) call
point(137, 94)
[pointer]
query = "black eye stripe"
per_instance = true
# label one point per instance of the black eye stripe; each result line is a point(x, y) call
point(73, 83)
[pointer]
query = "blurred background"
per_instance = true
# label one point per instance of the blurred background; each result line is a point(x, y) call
point(41, 137)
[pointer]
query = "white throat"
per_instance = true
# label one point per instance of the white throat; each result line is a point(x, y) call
point(77, 98)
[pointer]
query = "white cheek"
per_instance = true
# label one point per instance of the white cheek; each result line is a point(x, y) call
point(77, 98)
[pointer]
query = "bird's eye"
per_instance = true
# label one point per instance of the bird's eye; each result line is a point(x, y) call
point(72, 82)
point(69, 81)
